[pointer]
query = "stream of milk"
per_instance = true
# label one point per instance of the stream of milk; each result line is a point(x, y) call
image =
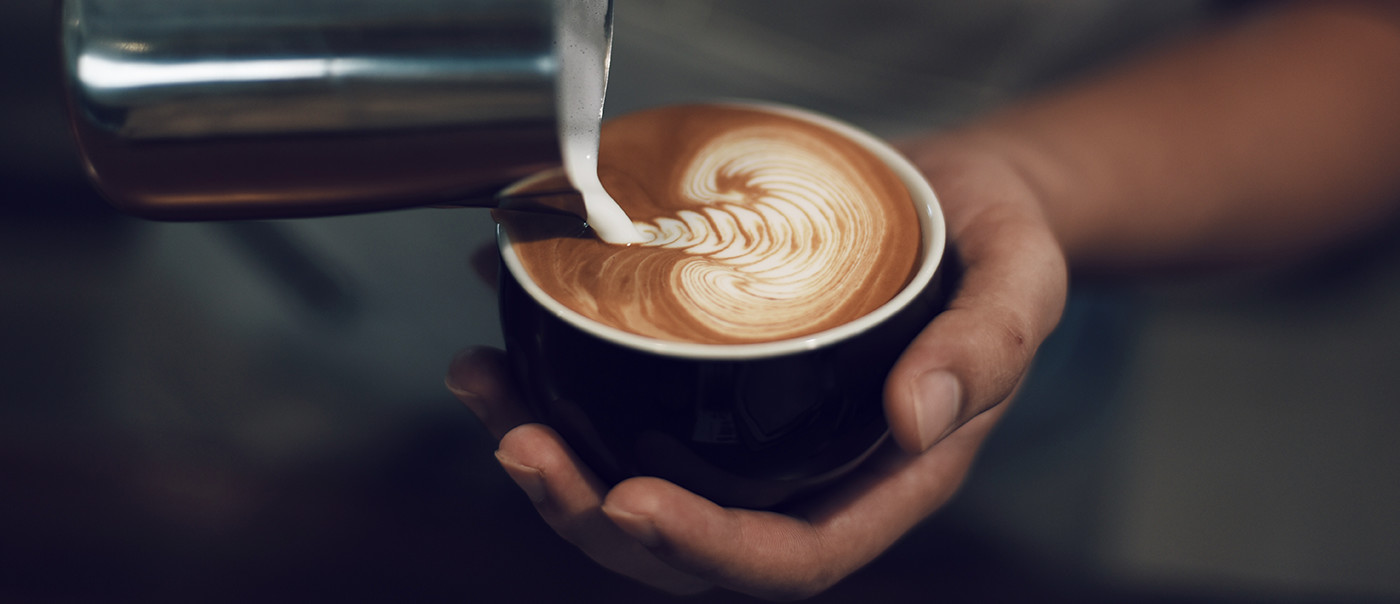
point(584, 37)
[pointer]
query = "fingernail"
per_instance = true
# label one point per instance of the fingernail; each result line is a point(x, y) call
point(936, 405)
point(530, 480)
point(637, 526)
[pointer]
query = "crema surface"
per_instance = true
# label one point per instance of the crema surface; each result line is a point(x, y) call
point(757, 227)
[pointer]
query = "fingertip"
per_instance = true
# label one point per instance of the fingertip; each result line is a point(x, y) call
point(899, 413)
point(964, 363)
point(923, 404)
point(534, 445)
point(937, 406)
point(572, 486)
point(655, 511)
point(475, 369)
point(633, 503)
point(633, 511)
point(529, 479)
point(650, 496)
point(480, 378)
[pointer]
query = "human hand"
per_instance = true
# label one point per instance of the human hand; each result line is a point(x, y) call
point(942, 399)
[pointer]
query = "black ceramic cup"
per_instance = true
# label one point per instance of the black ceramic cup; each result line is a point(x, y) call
point(748, 425)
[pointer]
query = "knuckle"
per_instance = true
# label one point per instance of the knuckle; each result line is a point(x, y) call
point(1015, 337)
point(1010, 345)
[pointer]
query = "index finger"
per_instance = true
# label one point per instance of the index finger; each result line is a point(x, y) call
point(480, 377)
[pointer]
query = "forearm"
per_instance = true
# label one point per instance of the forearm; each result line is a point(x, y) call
point(1265, 138)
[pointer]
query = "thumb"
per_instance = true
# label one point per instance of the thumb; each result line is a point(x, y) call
point(974, 354)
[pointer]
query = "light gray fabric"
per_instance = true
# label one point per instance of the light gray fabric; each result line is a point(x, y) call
point(890, 65)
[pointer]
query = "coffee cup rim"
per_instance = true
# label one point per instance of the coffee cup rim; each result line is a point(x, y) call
point(933, 232)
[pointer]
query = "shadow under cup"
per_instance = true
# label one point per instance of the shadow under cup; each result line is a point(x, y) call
point(748, 425)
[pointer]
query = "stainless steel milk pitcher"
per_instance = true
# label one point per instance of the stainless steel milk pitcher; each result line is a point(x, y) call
point(218, 109)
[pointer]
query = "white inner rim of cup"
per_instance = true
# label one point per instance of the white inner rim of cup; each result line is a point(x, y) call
point(931, 226)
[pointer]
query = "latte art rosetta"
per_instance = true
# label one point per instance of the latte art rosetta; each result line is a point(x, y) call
point(756, 227)
point(779, 239)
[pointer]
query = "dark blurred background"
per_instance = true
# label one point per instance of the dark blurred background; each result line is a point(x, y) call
point(229, 412)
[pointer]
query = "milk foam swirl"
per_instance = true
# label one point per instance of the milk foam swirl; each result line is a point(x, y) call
point(756, 227)
point(780, 233)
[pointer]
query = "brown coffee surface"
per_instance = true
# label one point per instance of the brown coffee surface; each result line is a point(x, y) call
point(759, 227)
